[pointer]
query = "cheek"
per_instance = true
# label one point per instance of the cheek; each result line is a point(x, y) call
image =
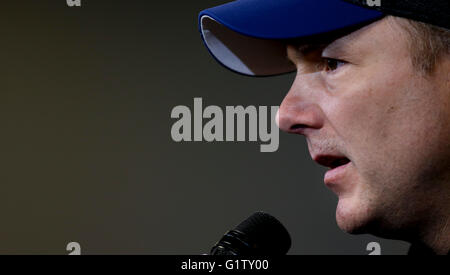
point(388, 131)
point(360, 122)
point(364, 117)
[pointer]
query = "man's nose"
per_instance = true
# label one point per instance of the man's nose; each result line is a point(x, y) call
point(300, 112)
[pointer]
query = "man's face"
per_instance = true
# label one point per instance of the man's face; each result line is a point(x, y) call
point(383, 125)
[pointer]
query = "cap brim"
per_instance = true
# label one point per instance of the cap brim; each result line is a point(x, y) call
point(247, 36)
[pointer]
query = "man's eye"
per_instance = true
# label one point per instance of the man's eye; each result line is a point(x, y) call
point(333, 64)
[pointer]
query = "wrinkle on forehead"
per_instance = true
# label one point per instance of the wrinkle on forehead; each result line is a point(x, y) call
point(347, 45)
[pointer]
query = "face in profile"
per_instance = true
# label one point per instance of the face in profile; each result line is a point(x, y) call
point(379, 124)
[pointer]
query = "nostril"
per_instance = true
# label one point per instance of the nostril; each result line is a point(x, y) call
point(298, 117)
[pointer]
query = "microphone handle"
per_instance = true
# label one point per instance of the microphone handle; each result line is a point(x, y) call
point(233, 243)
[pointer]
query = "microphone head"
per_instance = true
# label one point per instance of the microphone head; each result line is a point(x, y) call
point(260, 234)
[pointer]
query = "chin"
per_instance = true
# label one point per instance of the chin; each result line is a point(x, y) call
point(352, 216)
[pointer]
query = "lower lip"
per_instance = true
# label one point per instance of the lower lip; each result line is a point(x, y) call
point(334, 176)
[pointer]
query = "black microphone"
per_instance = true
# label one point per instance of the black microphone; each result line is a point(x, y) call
point(259, 235)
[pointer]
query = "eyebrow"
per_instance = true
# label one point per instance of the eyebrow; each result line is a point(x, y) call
point(339, 47)
point(335, 45)
point(302, 50)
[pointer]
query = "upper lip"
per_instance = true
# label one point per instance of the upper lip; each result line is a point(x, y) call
point(331, 160)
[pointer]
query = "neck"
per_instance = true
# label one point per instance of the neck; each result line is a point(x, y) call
point(434, 235)
point(440, 242)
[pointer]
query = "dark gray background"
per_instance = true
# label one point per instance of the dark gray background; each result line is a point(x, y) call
point(86, 152)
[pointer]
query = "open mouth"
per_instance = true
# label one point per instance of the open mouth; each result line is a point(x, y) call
point(339, 162)
point(331, 161)
point(334, 177)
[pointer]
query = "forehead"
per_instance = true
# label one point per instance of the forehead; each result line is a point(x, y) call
point(376, 36)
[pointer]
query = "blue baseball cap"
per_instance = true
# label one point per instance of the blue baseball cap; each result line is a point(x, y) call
point(248, 36)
